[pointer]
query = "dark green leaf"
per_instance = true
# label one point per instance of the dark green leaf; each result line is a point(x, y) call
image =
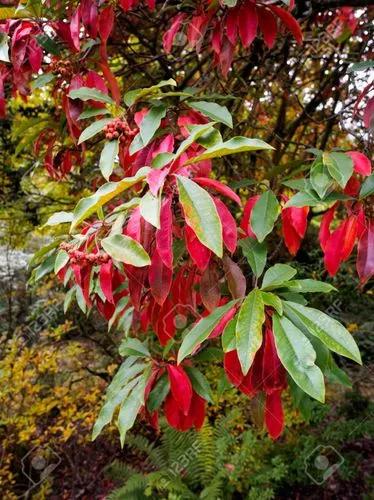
point(256, 254)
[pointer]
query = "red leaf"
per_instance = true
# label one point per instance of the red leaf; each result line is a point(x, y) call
point(232, 25)
point(198, 252)
point(365, 253)
point(180, 387)
point(74, 28)
point(209, 288)
point(268, 26)
point(324, 230)
point(160, 278)
point(112, 82)
point(198, 410)
point(361, 163)
point(164, 235)
point(273, 373)
point(229, 229)
point(274, 418)
point(333, 250)
point(88, 9)
point(235, 278)
point(106, 274)
point(232, 368)
point(165, 326)
point(289, 21)
point(245, 224)
point(218, 329)
point(219, 187)
point(169, 35)
point(248, 23)
point(156, 179)
point(350, 235)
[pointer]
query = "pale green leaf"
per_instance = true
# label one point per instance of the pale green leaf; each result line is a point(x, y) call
point(276, 275)
point(328, 330)
point(124, 249)
point(298, 357)
point(108, 157)
point(201, 214)
point(264, 215)
point(213, 110)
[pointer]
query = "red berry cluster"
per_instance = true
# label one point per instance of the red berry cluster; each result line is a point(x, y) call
point(119, 129)
point(82, 258)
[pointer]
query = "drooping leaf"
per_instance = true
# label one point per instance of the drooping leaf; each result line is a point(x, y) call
point(107, 158)
point(256, 254)
point(199, 383)
point(248, 330)
point(309, 286)
point(158, 393)
point(340, 166)
point(133, 96)
point(298, 357)
point(264, 215)
point(201, 214)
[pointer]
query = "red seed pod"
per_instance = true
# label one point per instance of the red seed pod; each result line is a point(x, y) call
point(115, 135)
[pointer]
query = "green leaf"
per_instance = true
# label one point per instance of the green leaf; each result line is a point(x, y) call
point(340, 166)
point(249, 329)
point(202, 330)
point(133, 96)
point(70, 294)
point(199, 383)
point(298, 357)
point(41, 81)
point(229, 335)
point(328, 330)
point(45, 268)
point(232, 146)
point(87, 206)
point(120, 306)
point(150, 207)
point(264, 215)
point(93, 129)
point(151, 122)
point(62, 258)
point(309, 286)
point(272, 300)
point(49, 44)
point(201, 214)
point(133, 347)
point(214, 111)
point(302, 200)
point(210, 138)
point(107, 158)
point(126, 378)
point(59, 218)
point(361, 66)
point(131, 406)
point(125, 249)
point(277, 275)
point(87, 93)
point(197, 131)
point(158, 393)
point(367, 187)
point(320, 178)
point(162, 159)
point(89, 113)
point(4, 47)
point(255, 253)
